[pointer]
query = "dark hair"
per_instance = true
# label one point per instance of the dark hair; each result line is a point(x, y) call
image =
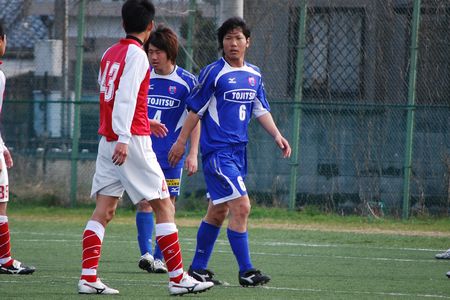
point(230, 24)
point(136, 15)
point(2, 31)
point(164, 39)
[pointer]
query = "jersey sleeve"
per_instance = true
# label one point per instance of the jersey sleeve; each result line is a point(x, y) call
point(261, 105)
point(135, 69)
point(202, 92)
point(2, 93)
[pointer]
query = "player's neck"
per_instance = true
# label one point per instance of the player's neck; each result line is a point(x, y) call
point(235, 63)
point(166, 70)
point(139, 37)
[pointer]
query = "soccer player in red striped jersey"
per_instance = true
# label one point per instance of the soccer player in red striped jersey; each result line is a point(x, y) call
point(8, 265)
point(125, 159)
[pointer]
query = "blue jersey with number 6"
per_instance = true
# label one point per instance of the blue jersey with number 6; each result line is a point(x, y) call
point(167, 104)
point(226, 98)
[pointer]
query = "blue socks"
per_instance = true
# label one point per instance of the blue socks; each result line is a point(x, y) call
point(206, 238)
point(144, 224)
point(158, 254)
point(239, 245)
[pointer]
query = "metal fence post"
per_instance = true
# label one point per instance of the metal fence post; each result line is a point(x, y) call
point(76, 123)
point(297, 105)
point(411, 107)
point(190, 33)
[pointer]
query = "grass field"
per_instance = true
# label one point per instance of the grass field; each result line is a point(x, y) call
point(342, 258)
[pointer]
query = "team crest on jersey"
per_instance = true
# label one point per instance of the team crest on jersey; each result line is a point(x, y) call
point(172, 89)
point(252, 81)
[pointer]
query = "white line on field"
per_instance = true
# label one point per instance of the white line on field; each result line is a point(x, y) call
point(111, 238)
point(134, 282)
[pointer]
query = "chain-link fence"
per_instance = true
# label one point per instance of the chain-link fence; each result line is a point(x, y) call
point(359, 87)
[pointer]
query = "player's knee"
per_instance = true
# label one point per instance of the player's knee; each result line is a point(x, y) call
point(216, 216)
point(241, 211)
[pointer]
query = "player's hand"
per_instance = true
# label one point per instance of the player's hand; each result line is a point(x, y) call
point(120, 154)
point(191, 164)
point(158, 129)
point(176, 153)
point(284, 146)
point(8, 158)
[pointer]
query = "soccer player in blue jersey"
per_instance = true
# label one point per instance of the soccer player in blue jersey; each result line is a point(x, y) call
point(169, 87)
point(229, 93)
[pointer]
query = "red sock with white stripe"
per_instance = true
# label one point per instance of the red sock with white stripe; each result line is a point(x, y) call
point(92, 246)
point(167, 239)
point(5, 246)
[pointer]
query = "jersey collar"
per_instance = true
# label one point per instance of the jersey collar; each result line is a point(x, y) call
point(129, 39)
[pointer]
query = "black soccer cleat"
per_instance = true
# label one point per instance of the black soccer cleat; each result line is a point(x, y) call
point(17, 268)
point(203, 276)
point(253, 277)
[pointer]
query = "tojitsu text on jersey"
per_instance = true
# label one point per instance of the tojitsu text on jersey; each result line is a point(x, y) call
point(124, 78)
point(225, 98)
point(167, 104)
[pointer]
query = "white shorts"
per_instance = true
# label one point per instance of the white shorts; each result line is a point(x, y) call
point(141, 175)
point(4, 182)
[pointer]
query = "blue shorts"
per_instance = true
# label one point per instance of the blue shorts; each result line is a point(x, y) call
point(173, 179)
point(225, 171)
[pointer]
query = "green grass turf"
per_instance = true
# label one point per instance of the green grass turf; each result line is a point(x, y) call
point(304, 264)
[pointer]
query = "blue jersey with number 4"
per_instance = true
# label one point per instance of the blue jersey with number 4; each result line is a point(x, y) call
point(226, 98)
point(167, 104)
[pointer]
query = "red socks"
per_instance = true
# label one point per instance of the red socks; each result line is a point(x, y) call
point(92, 246)
point(5, 246)
point(167, 238)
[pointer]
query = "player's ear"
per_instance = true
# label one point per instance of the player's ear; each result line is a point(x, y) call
point(248, 43)
point(150, 26)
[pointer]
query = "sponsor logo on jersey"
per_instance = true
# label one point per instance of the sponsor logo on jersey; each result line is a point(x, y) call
point(162, 102)
point(152, 87)
point(252, 81)
point(231, 80)
point(173, 182)
point(240, 95)
point(172, 89)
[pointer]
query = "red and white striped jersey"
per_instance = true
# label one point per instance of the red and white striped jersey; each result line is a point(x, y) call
point(124, 79)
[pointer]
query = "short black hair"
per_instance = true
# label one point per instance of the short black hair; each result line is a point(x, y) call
point(136, 15)
point(230, 24)
point(164, 39)
point(2, 31)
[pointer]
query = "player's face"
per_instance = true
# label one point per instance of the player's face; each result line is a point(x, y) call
point(159, 61)
point(234, 45)
point(2, 45)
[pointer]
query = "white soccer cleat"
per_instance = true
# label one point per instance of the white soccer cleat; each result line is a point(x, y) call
point(443, 255)
point(159, 266)
point(188, 285)
point(98, 287)
point(146, 262)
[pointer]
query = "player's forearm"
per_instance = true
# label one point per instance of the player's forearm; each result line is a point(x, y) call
point(195, 139)
point(268, 124)
point(188, 126)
